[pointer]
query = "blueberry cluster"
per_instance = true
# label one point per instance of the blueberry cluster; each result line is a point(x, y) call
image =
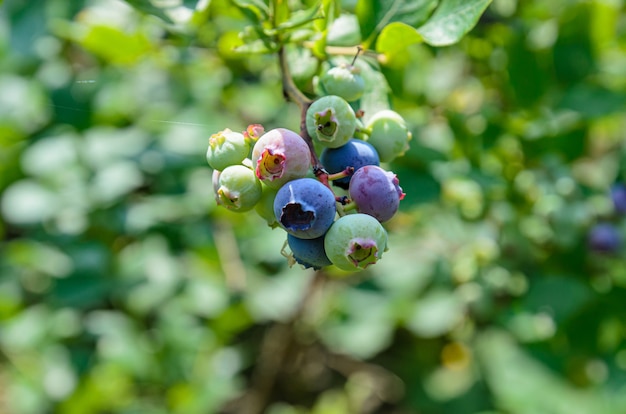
point(332, 204)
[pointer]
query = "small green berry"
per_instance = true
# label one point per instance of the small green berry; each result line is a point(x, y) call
point(226, 148)
point(355, 241)
point(331, 121)
point(238, 189)
point(343, 81)
point(389, 134)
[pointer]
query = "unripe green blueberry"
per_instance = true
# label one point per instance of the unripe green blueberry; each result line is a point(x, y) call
point(226, 148)
point(265, 206)
point(355, 241)
point(389, 134)
point(331, 121)
point(238, 189)
point(343, 81)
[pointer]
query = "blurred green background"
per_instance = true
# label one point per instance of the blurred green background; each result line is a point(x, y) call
point(124, 289)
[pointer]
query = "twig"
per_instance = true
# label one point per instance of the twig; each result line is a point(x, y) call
point(275, 347)
point(229, 255)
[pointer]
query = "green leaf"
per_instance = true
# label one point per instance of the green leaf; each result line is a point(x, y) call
point(116, 46)
point(593, 101)
point(257, 7)
point(344, 31)
point(374, 16)
point(300, 18)
point(513, 375)
point(452, 20)
point(394, 39)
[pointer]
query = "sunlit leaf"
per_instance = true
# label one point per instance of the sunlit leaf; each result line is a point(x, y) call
point(375, 15)
point(300, 18)
point(256, 10)
point(452, 20)
point(394, 39)
point(115, 46)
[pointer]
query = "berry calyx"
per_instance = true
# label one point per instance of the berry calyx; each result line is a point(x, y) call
point(362, 252)
point(254, 132)
point(270, 165)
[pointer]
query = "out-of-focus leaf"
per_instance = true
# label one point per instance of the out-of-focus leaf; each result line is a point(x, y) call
point(435, 314)
point(172, 12)
point(573, 295)
point(592, 101)
point(300, 18)
point(513, 376)
point(256, 10)
point(527, 76)
point(344, 31)
point(452, 20)
point(115, 46)
point(573, 52)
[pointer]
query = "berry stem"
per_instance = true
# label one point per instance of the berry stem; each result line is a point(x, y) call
point(359, 49)
point(293, 94)
point(290, 89)
point(347, 172)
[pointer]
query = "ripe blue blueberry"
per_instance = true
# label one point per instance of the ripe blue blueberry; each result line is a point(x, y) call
point(305, 208)
point(309, 252)
point(355, 153)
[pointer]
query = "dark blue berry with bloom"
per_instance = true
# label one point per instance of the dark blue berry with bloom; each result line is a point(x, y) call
point(618, 195)
point(605, 238)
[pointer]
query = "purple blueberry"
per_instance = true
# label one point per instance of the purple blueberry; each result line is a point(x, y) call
point(280, 155)
point(375, 192)
point(305, 208)
point(604, 238)
point(618, 195)
point(309, 252)
point(355, 153)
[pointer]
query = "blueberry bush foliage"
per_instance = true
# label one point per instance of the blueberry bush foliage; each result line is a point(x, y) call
point(129, 283)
